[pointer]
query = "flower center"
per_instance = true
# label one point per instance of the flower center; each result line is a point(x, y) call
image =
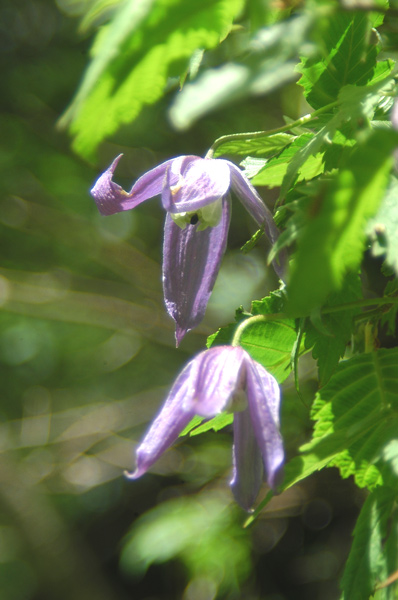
point(207, 216)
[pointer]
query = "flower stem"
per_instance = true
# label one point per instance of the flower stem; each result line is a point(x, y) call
point(324, 311)
point(305, 120)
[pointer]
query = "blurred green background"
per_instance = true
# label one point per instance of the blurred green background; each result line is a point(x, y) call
point(87, 355)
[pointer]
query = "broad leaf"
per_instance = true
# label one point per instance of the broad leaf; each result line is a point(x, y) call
point(270, 63)
point(333, 240)
point(274, 171)
point(147, 42)
point(355, 105)
point(368, 562)
point(384, 226)
point(349, 55)
point(356, 416)
point(329, 342)
point(255, 146)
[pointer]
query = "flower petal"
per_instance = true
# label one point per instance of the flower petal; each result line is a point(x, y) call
point(263, 396)
point(111, 198)
point(219, 376)
point(200, 181)
point(257, 209)
point(248, 466)
point(191, 261)
point(169, 423)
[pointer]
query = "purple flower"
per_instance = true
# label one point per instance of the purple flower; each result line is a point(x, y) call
point(224, 377)
point(195, 194)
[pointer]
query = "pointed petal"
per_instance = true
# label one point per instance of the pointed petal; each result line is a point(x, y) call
point(257, 209)
point(169, 423)
point(247, 461)
point(191, 261)
point(219, 376)
point(111, 198)
point(263, 396)
point(201, 181)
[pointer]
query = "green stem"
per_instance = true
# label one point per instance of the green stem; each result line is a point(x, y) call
point(305, 120)
point(325, 311)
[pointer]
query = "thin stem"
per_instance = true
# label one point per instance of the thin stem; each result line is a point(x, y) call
point(325, 311)
point(305, 120)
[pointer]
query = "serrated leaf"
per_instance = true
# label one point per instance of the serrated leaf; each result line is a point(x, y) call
point(274, 171)
point(332, 243)
point(368, 562)
point(355, 104)
point(356, 416)
point(329, 347)
point(348, 57)
point(256, 146)
point(147, 42)
point(383, 228)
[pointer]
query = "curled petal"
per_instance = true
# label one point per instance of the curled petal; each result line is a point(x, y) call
point(169, 423)
point(201, 181)
point(111, 198)
point(263, 396)
point(191, 261)
point(257, 209)
point(247, 462)
point(219, 376)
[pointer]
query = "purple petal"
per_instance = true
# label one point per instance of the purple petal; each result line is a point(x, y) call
point(169, 423)
point(200, 181)
point(257, 209)
point(263, 396)
point(191, 261)
point(248, 466)
point(219, 376)
point(111, 198)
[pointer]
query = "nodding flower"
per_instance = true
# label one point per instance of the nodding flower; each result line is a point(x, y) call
point(224, 377)
point(195, 195)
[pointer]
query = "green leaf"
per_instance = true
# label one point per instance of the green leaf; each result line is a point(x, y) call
point(219, 422)
point(329, 347)
point(356, 105)
point(333, 240)
point(147, 42)
point(270, 343)
point(390, 316)
point(383, 228)
point(274, 171)
point(191, 425)
point(270, 64)
point(356, 416)
point(349, 54)
point(368, 562)
point(256, 146)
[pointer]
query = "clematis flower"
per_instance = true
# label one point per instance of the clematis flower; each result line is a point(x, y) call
point(195, 194)
point(224, 377)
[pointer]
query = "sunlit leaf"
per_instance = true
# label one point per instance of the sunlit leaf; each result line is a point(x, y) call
point(256, 146)
point(348, 57)
point(271, 62)
point(333, 240)
point(384, 226)
point(356, 416)
point(147, 42)
point(274, 171)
